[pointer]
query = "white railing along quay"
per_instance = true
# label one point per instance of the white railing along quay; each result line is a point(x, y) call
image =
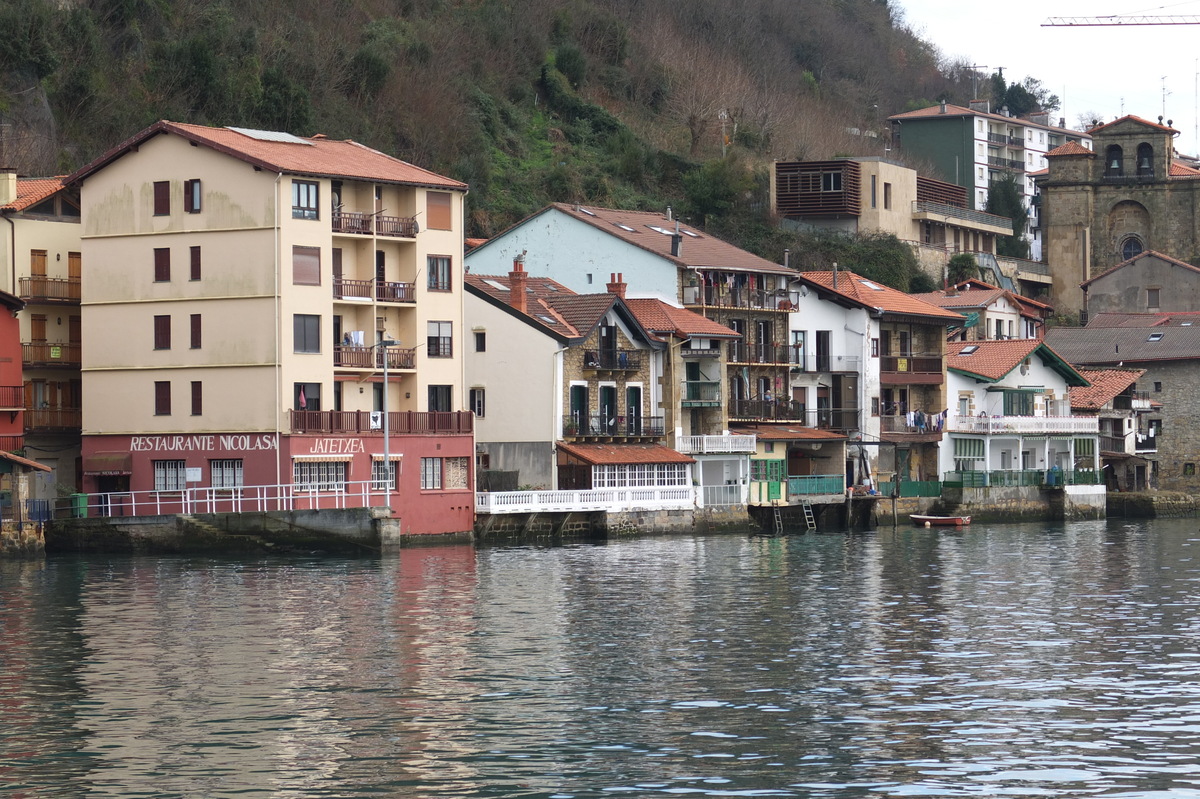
point(712, 445)
point(242, 499)
point(1032, 425)
point(596, 499)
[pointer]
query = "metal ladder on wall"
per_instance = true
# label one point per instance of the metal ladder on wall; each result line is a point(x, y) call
point(778, 519)
point(809, 519)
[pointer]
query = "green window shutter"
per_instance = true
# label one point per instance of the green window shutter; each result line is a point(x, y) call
point(968, 447)
point(1085, 446)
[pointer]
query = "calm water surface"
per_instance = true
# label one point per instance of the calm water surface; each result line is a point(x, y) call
point(1001, 661)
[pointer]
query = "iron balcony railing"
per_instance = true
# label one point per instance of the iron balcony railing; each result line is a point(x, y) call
point(372, 358)
point(700, 393)
point(580, 425)
point(741, 352)
point(1146, 443)
point(398, 422)
point(383, 291)
point(962, 214)
point(816, 484)
point(612, 359)
point(43, 353)
point(1006, 163)
point(732, 297)
point(1018, 477)
point(1029, 425)
point(375, 224)
point(49, 289)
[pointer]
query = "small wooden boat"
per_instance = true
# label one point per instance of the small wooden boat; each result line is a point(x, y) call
point(939, 521)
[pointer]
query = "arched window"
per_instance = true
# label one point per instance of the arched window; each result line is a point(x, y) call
point(1145, 160)
point(1131, 247)
point(1114, 161)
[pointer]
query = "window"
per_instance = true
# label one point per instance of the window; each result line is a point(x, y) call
point(306, 266)
point(1157, 387)
point(162, 265)
point(1018, 403)
point(1114, 162)
point(195, 322)
point(440, 398)
point(197, 398)
point(379, 474)
point(1189, 469)
point(887, 195)
point(831, 181)
point(162, 398)
point(162, 198)
point(874, 348)
point(439, 342)
point(1131, 247)
point(439, 273)
point(437, 210)
point(162, 332)
point(305, 194)
point(306, 396)
point(1152, 298)
point(477, 403)
point(306, 333)
point(874, 179)
point(319, 475)
point(431, 473)
point(480, 341)
point(874, 406)
point(191, 196)
point(37, 263)
point(195, 273)
point(767, 470)
point(170, 475)
point(1145, 160)
point(225, 473)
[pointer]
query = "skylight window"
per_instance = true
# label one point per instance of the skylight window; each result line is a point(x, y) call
point(658, 229)
point(272, 135)
point(1155, 337)
point(583, 210)
point(495, 284)
point(690, 233)
point(547, 319)
point(968, 350)
point(871, 285)
point(624, 227)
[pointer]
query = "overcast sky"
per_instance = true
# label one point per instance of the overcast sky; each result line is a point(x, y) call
point(1107, 71)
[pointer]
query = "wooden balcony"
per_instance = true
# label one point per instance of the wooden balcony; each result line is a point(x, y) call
point(364, 224)
point(366, 290)
point(12, 398)
point(44, 353)
point(52, 420)
point(400, 423)
point(49, 290)
point(617, 360)
point(912, 369)
point(372, 358)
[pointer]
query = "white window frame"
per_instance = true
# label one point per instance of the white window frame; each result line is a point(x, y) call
point(432, 474)
point(170, 475)
point(226, 473)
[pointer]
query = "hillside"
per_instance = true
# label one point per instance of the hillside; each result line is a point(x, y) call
point(628, 103)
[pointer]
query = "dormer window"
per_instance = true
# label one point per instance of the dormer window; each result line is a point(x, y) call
point(1114, 161)
point(1145, 160)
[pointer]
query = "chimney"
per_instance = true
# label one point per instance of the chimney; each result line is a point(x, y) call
point(668, 213)
point(943, 109)
point(835, 275)
point(8, 185)
point(617, 285)
point(787, 258)
point(1062, 122)
point(676, 244)
point(518, 281)
point(979, 106)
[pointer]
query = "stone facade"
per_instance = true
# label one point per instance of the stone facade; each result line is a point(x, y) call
point(24, 541)
point(1103, 207)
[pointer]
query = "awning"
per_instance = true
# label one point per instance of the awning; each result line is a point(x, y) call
point(108, 463)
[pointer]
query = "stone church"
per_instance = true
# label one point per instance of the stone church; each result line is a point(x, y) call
point(1105, 206)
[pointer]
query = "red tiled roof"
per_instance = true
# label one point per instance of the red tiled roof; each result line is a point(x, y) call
point(1070, 148)
point(961, 111)
point(41, 467)
point(537, 310)
point(1133, 118)
point(1143, 254)
point(869, 294)
point(31, 191)
point(774, 432)
point(623, 453)
point(316, 156)
point(699, 250)
point(1105, 384)
point(471, 244)
point(1178, 170)
point(659, 317)
point(992, 359)
point(971, 298)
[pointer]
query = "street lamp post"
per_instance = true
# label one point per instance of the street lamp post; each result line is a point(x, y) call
point(383, 345)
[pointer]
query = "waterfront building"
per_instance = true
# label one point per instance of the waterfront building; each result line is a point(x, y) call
point(871, 362)
point(973, 146)
point(581, 246)
point(41, 262)
point(796, 465)
point(863, 195)
point(1010, 420)
point(992, 313)
point(1126, 196)
point(1149, 282)
point(602, 382)
point(1128, 440)
point(247, 292)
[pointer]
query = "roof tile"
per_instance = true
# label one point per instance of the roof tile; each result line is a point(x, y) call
point(869, 294)
point(623, 453)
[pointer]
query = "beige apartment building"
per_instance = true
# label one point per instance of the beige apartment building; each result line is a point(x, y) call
point(243, 281)
point(41, 262)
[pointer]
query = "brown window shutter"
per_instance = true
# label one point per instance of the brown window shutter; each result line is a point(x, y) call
point(162, 398)
point(162, 198)
point(162, 264)
point(162, 332)
point(306, 266)
point(197, 397)
point(195, 331)
point(437, 210)
point(195, 263)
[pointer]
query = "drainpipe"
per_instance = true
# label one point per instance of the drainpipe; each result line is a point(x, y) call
point(278, 338)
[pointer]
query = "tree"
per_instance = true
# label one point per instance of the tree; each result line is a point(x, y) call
point(962, 266)
point(1004, 199)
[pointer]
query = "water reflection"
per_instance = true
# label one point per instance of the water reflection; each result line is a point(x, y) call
point(1003, 660)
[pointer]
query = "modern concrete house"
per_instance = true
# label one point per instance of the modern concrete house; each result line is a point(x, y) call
point(250, 289)
point(41, 262)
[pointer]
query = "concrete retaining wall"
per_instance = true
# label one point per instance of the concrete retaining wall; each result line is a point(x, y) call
point(1149, 506)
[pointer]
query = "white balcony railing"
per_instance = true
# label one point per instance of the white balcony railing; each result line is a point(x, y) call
point(612, 500)
point(712, 445)
point(1028, 425)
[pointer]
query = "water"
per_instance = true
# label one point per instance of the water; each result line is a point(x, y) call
point(1000, 661)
